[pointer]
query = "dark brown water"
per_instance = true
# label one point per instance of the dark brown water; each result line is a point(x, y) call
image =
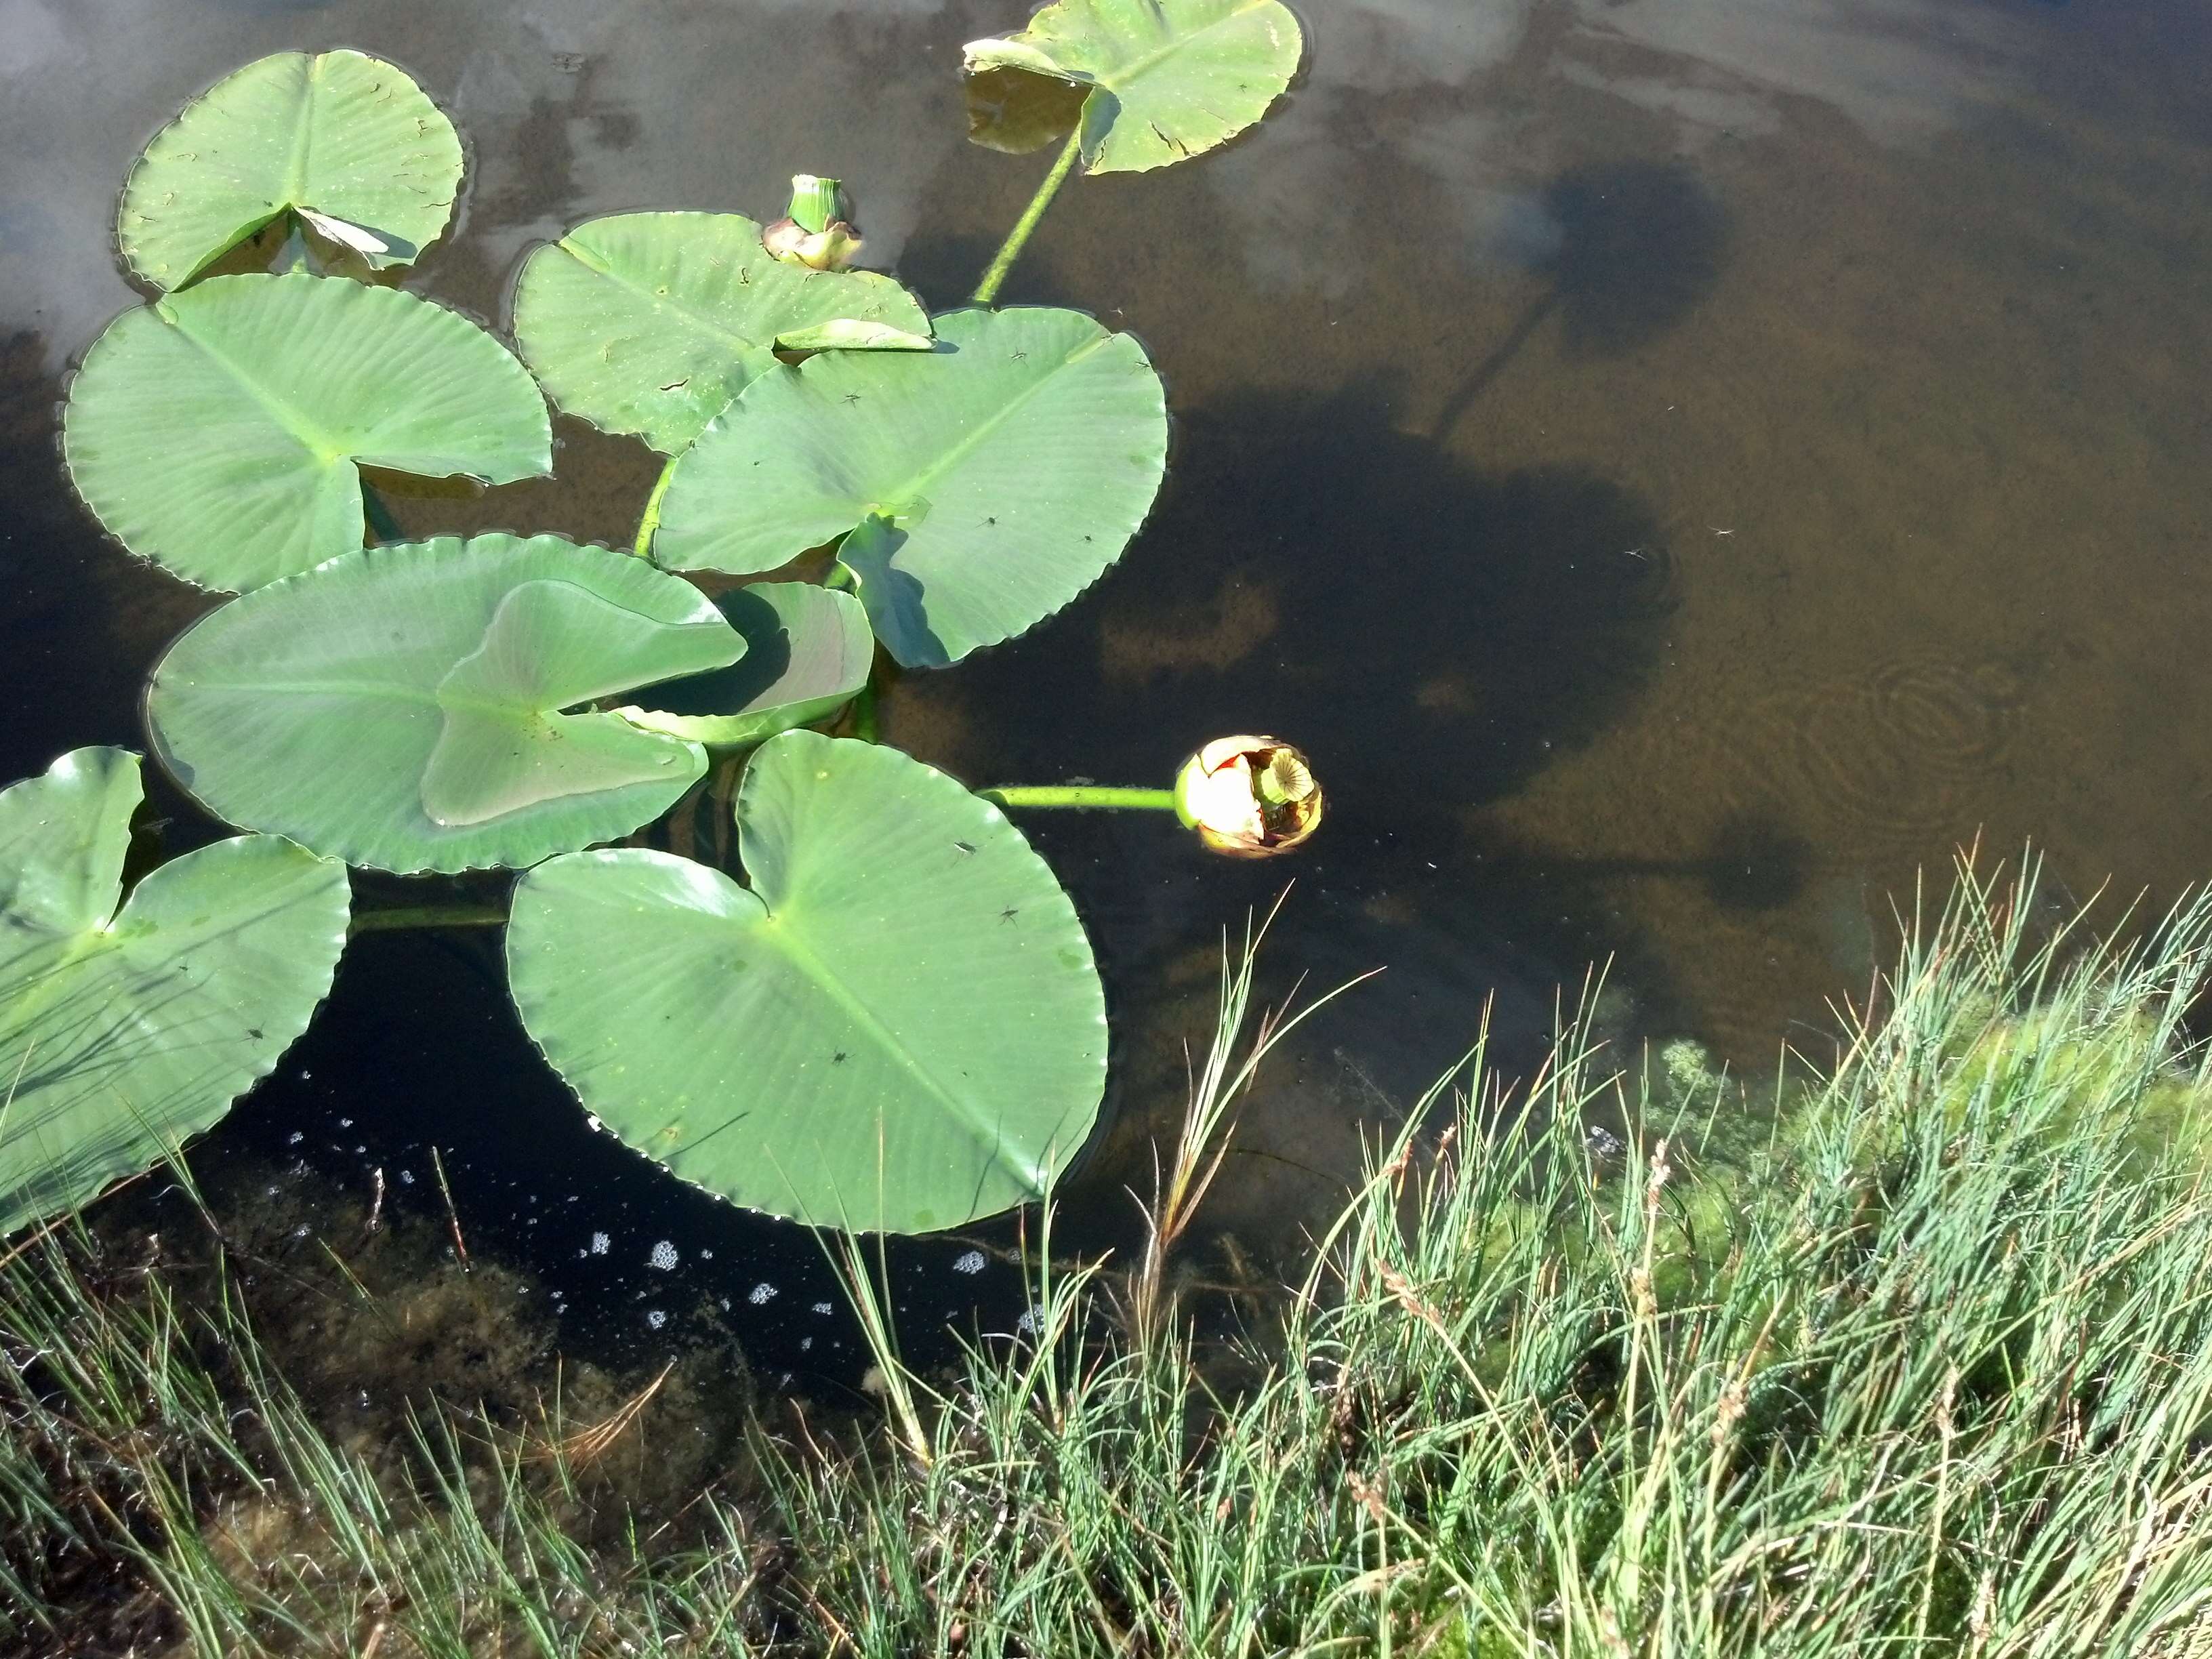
point(1679, 466)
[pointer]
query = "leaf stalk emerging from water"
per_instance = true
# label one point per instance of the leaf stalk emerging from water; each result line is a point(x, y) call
point(1091, 795)
point(987, 291)
point(650, 520)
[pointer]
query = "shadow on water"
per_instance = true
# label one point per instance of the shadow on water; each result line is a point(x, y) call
point(1639, 246)
point(1433, 633)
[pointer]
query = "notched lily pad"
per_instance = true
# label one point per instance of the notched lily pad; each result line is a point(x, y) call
point(125, 1028)
point(984, 486)
point(650, 323)
point(220, 432)
point(505, 745)
point(347, 141)
point(898, 1026)
point(1164, 80)
point(422, 706)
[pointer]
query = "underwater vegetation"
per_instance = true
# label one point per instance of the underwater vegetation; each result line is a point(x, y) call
point(878, 1010)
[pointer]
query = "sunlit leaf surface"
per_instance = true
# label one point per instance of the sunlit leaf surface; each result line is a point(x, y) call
point(650, 323)
point(348, 140)
point(417, 706)
point(125, 1030)
point(1167, 79)
point(217, 432)
point(988, 483)
point(897, 1026)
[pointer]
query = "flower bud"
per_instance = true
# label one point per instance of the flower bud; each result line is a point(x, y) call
point(815, 234)
point(1250, 798)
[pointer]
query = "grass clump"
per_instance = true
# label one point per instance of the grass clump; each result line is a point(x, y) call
point(1928, 1370)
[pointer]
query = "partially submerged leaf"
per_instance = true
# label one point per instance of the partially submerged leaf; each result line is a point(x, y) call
point(124, 1031)
point(217, 432)
point(807, 654)
point(1015, 111)
point(650, 323)
point(1166, 79)
point(347, 141)
point(985, 484)
point(848, 334)
point(403, 707)
point(343, 232)
point(897, 1027)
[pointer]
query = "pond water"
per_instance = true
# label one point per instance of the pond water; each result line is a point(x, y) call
point(1678, 467)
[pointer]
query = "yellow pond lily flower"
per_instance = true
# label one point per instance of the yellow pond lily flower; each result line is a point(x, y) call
point(1248, 797)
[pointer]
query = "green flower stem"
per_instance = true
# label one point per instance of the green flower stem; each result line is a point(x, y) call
point(987, 289)
point(1081, 795)
point(382, 523)
point(427, 915)
point(651, 521)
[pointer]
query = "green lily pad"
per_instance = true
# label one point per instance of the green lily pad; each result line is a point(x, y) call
point(346, 137)
point(123, 1031)
point(220, 431)
point(988, 483)
point(1167, 79)
point(650, 323)
point(402, 706)
point(898, 1027)
point(808, 650)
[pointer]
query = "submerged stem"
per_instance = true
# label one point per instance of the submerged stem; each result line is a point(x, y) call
point(649, 520)
point(427, 915)
point(987, 289)
point(1081, 795)
point(864, 724)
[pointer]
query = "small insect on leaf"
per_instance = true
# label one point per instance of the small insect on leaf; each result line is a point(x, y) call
point(344, 232)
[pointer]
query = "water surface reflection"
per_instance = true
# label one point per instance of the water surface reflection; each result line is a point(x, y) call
point(1679, 465)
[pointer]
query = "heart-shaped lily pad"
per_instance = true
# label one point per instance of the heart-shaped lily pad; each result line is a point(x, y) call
point(337, 135)
point(123, 1031)
point(808, 650)
point(989, 482)
point(650, 323)
point(404, 707)
point(1167, 79)
point(217, 432)
point(898, 1026)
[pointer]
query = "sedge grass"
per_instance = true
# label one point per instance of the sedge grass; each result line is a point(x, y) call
point(1928, 1371)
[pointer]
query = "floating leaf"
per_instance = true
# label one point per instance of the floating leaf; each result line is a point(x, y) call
point(123, 1031)
point(348, 141)
point(401, 707)
point(650, 323)
point(808, 650)
point(898, 1026)
point(1168, 79)
point(989, 482)
point(217, 431)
